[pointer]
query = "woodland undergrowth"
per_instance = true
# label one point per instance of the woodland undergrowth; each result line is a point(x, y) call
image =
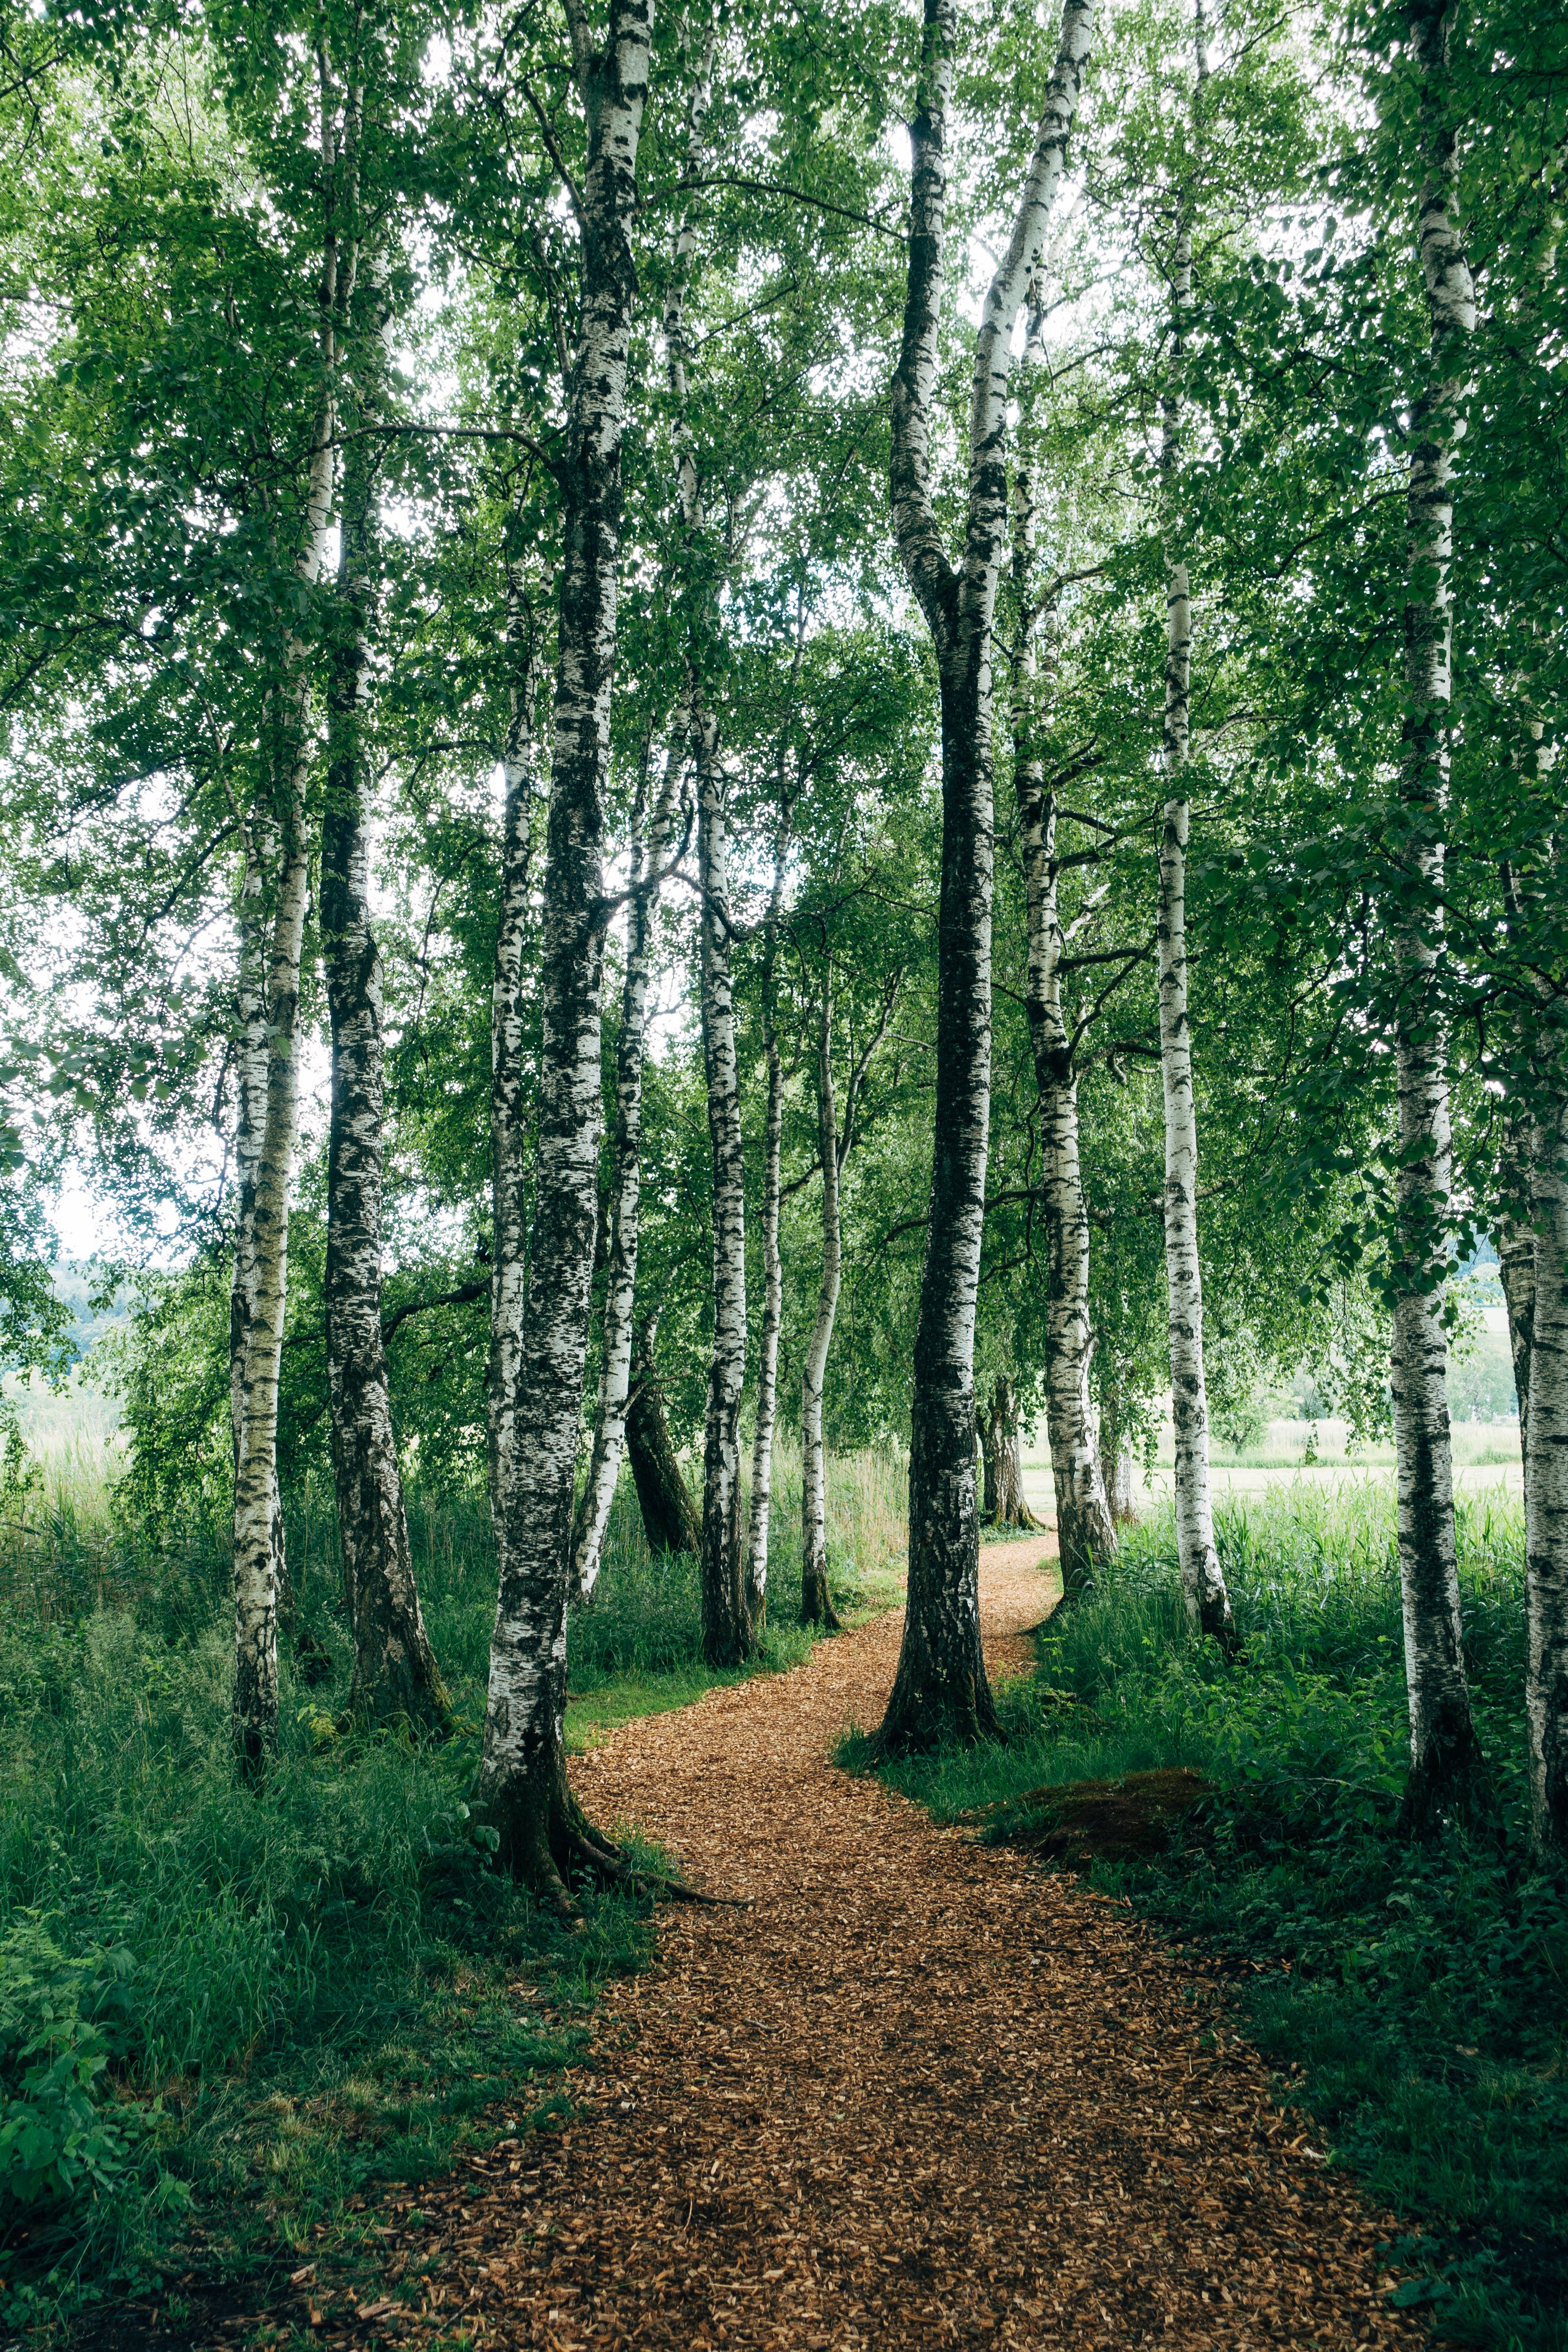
point(1415, 1999)
point(230, 2018)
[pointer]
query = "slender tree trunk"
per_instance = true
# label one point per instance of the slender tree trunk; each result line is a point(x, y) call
point(395, 1678)
point(726, 1627)
point(1085, 1536)
point(1118, 1470)
point(1546, 1503)
point(1004, 1503)
point(756, 1562)
point(614, 1379)
point(1516, 1271)
point(941, 1691)
point(508, 1087)
point(251, 1055)
point(257, 1520)
point(523, 1789)
point(670, 1518)
point(1202, 1585)
point(1446, 1775)
point(816, 1597)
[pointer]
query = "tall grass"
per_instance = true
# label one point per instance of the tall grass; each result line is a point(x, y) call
point(1420, 1995)
point(310, 1987)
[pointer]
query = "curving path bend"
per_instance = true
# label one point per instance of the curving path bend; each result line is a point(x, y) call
point(917, 2094)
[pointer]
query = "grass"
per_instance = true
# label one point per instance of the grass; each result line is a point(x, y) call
point(1418, 1998)
point(282, 2006)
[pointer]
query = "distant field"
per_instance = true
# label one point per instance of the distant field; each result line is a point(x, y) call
point(1486, 1453)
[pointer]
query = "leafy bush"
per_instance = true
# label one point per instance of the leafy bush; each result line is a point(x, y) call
point(56, 2138)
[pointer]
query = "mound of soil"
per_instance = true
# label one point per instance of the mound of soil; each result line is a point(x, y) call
point(1114, 1820)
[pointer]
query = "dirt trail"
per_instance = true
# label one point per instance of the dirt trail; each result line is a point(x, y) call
point(917, 2094)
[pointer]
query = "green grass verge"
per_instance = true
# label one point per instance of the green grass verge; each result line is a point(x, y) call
point(236, 2025)
point(1422, 1994)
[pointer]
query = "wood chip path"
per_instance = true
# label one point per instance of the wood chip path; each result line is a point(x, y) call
point(919, 2093)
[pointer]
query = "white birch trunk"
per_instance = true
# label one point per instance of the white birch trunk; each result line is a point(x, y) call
point(258, 878)
point(761, 1507)
point(508, 1102)
point(258, 1524)
point(1445, 1764)
point(615, 1378)
point(1546, 1498)
point(726, 1630)
point(523, 1789)
point(395, 1678)
point(942, 1691)
point(1085, 1536)
point(1202, 1585)
point(816, 1597)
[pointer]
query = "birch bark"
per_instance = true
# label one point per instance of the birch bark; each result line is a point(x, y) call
point(941, 1691)
point(258, 879)
point(615, 1378)
point(395, 1678)
point(816, 1597)
point(1447, 1774)
point(1202, 1585)
point(258, 1525)
point(726, 1625)
point(1516, 1270)
point(834, 1146)
point(1085, 1536)
point(508, 1104)
point(523, 1789)
point(1546, 1494)
point(756, 1559)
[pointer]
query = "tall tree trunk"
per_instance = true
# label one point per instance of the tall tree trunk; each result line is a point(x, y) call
point(941, 1691)
point(1546, 1497)
point(1446, 1775)
point(614, 1379)
point(522, 1787)
point(1086, 1535)
point(257, 1521)
point(1516, 1271)
point(756, 1560)
point(816, 1597)
point(257, 1530)
point(1202, 1585)
point(670, 1518)
point(1004, 1503)
point(256, 910)
point(726, 1625)
point(395, 1678)
point(509, 1106)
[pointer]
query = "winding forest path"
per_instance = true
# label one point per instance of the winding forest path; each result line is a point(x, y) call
point(918, 2093)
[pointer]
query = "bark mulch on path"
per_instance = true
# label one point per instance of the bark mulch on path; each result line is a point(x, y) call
point(918, 2093)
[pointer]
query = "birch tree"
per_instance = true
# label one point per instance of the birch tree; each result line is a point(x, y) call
point(509, 1093)
point(1447, 1774)
point(727, 1633)
point(834, 1145)
point(395, 1678)
point(1202, 1585)
point(1086, 1535)
point(256, 1521)
point(941, 1691)
point(522, 1787)
point(1546, 1495)
point(761, 1506)
point(614, 1379)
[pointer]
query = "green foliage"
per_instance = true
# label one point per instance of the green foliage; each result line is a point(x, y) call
point(227, 2011)
point(1419, 1997)
point(56, 2139)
